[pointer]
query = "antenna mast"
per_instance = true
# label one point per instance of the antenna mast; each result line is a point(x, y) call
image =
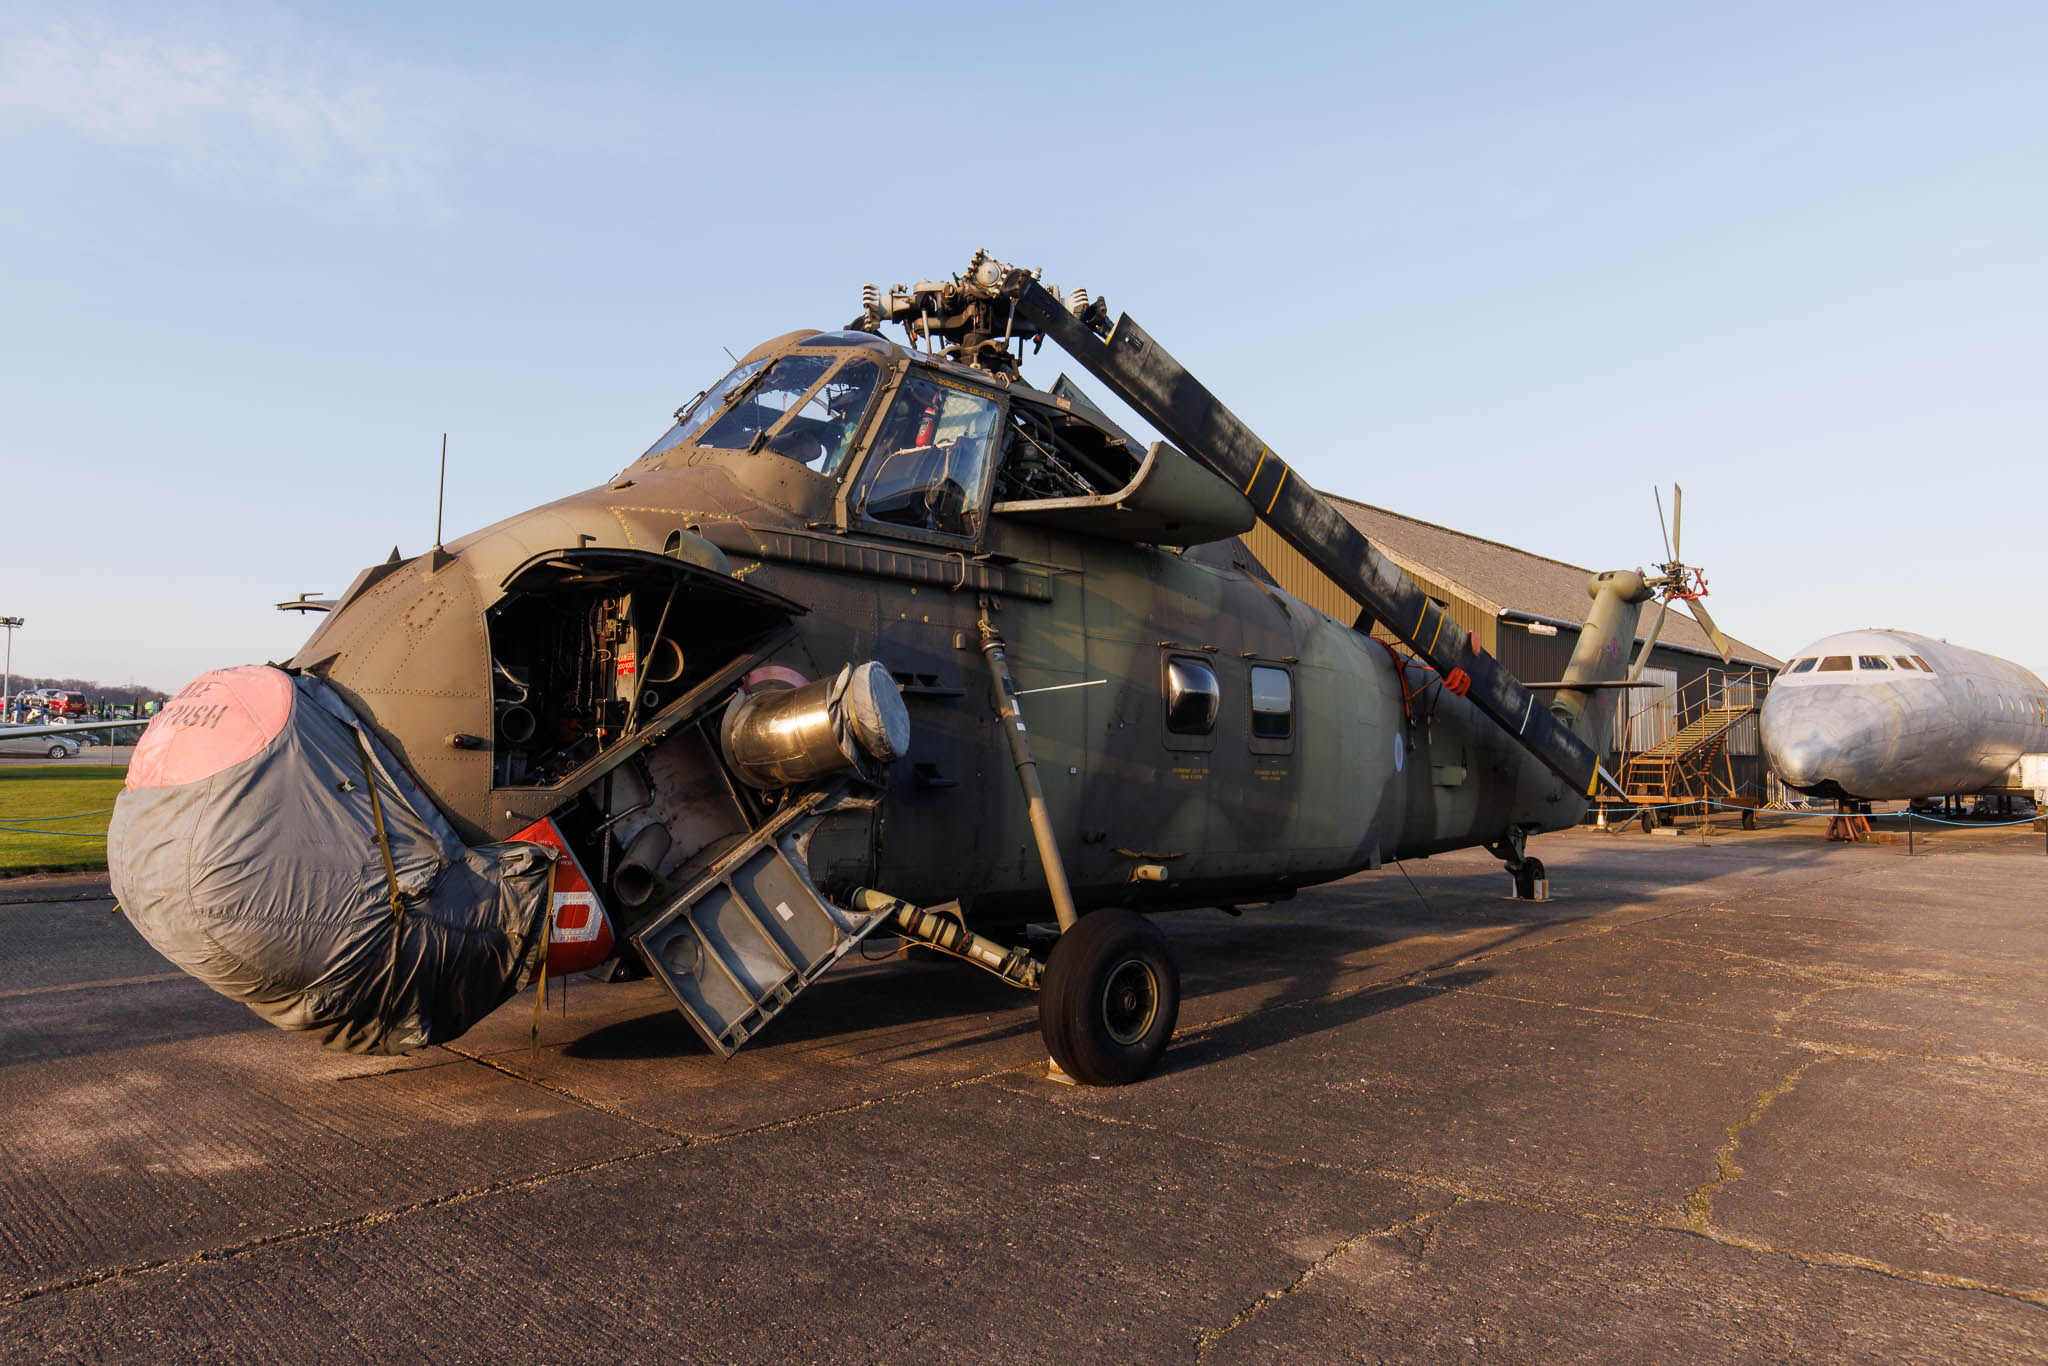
point(441, 492)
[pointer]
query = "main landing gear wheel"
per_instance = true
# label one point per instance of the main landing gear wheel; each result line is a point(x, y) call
point(1108, 1000)
point(1526, 878)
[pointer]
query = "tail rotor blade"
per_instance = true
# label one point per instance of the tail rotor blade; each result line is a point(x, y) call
point(1721, 642)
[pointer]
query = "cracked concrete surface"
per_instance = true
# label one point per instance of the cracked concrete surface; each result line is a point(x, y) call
point(1753, 1098)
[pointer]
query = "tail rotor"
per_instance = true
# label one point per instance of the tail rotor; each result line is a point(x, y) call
point(1676, 581)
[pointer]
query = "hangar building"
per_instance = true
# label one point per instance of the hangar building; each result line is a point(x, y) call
point(1526, 610)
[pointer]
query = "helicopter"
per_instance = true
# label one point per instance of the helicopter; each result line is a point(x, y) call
point(876, 636)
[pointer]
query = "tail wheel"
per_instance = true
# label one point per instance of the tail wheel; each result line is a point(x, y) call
point(1109, 999)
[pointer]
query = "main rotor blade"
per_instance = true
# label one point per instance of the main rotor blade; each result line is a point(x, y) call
point(1721, 642)
point(1144, 375)
point(1658, 494)
point(1677, 520)
point(1650, 641)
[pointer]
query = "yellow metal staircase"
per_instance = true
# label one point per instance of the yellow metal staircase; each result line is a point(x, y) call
point(1681, 765)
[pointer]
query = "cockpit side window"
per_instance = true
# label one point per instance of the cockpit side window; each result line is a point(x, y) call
point(1922, 663)
point(929, 459)
point(1800, 666)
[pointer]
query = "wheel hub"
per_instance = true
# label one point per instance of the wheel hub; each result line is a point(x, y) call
point(1130, 1001)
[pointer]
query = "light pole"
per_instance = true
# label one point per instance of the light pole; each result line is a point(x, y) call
point(7, 676)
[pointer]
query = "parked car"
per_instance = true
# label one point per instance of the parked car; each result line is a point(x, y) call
point(49, 746)
point(68, 704)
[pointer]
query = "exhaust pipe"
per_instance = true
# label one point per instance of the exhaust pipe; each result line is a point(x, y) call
point(633, 882)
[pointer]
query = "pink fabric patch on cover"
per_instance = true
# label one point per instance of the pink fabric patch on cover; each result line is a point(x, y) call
point(220, 719)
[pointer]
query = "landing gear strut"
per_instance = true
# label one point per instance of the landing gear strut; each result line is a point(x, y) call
point(1531, 883)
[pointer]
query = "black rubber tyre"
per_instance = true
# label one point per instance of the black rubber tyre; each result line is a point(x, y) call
point(59, 752)
point(1749, 818)
point(1109, 999)
point(1649, 821)
point(1526, 878)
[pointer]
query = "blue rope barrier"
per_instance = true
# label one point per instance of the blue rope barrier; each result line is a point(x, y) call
point(74, 816)
point(1627, 812)
point(1936, 820)
point(66, 834)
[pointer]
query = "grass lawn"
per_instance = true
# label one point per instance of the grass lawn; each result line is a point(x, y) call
point(82, 793)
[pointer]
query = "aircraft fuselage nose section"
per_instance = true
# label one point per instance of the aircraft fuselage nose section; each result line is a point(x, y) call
point(1817, 739)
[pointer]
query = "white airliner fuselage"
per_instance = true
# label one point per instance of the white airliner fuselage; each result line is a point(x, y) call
point(1879, 715)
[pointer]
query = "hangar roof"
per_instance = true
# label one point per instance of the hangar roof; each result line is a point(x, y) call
point(1513, 583)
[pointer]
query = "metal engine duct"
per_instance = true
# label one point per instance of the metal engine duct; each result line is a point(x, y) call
point(778, 737)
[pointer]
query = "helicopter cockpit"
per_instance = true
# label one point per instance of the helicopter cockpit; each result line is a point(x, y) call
point(929, 455)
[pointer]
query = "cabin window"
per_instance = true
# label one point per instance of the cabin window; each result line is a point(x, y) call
point(1800, 666)
point(1272, 703)
point(1834, 664)
point(1193, 696)
point(1871, 662)
point(927, 464)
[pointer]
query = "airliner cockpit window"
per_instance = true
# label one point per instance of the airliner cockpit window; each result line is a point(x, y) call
point(1835, 664)
point(1871, 662)
point(1923, 663)
point(1800, 666)
point(1903, 662)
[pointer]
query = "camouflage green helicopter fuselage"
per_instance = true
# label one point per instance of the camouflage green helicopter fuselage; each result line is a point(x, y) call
point(1202, 737)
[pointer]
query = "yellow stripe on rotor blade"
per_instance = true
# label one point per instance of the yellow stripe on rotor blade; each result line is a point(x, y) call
point(1440, 615)
point(1255, 472)
point(1284, 471)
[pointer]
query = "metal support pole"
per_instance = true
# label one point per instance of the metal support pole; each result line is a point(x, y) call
point(1909, 832)
point(7, 678)
point(1027, 776)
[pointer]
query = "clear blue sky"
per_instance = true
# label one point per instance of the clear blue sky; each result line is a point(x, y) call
point(1501, 267)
